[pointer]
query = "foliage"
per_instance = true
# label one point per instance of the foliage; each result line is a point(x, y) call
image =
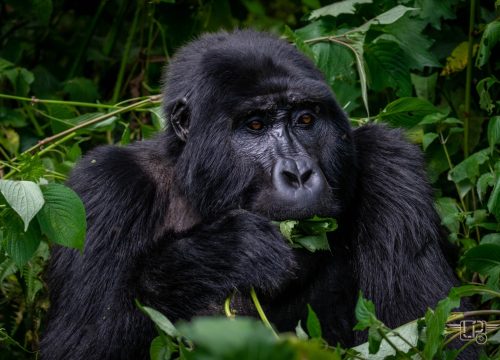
point(75, 75)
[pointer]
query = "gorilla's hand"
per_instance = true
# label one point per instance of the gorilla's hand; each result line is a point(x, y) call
point(208, 263)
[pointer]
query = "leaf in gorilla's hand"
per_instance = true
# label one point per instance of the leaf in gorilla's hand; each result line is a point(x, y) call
point(309, 234)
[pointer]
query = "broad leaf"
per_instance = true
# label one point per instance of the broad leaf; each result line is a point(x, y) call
point(408, 33)
point(484, 258)
point(489, 39)
point(160, 320)
point(494, 200)
point(406, 112)
point(469, 168)
point(365, 314)
point(313, 324)
point(388, 17)
point(449, 212)
point(25, 197)
point(338, 8)
point(408, 331)
point(494, 132)
point(62, 218)
point(491, 239)
point(20, 245)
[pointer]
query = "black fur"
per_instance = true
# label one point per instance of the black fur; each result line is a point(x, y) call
point(181, 221)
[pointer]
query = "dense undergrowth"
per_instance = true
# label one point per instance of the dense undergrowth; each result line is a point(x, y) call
point(73, 76)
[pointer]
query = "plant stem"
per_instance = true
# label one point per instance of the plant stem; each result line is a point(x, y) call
point(33, 100)
point(442, 140)
point(126, 53)
point(57, 143)
point(149, 100)
point(468, 79)
point(227, 307)
point(262, 315)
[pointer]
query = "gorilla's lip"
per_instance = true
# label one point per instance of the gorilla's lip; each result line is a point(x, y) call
point(296, 214)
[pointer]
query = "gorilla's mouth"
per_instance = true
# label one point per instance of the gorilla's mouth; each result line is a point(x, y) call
point(275, 208)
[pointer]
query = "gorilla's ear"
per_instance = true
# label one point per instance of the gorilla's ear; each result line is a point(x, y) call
point(178, 114)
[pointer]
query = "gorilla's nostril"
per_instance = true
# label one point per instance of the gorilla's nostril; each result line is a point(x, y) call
point(291, 178)
point(305, 176)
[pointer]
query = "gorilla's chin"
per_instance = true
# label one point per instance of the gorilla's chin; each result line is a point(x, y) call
point(277, 209)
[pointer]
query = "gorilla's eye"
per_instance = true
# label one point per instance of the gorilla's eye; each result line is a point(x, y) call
point(255, 124)
point(306, 119)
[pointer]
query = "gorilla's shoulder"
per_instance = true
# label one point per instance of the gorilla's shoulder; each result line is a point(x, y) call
point(121, 171)
point(380, 145)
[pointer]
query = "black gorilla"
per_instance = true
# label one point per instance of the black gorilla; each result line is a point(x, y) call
point(181, 221)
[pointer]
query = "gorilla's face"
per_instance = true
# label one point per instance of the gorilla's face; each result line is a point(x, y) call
point(281, 137)
point(264, 134)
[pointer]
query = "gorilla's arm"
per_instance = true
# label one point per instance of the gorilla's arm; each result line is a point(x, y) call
point(132, 253)
point(397, 233)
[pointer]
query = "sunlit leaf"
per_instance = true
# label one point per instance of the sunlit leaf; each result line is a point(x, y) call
point(25, 197)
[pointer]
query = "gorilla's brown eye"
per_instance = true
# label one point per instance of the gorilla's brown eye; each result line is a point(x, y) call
point(255, 125)
point(306, 119)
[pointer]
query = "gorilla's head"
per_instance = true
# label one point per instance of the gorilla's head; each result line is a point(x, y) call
point(256, 127)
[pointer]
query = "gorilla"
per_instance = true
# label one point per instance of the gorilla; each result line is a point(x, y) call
point(182, 221)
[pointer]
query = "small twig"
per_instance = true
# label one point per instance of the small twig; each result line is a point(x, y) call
point(151, 99)
point(227, 307)
point(34, 100)
point(262, 315)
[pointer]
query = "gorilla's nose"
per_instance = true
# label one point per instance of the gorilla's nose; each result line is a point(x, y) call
point(298, 179)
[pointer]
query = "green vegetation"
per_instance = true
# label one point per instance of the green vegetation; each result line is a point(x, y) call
point(74, 75)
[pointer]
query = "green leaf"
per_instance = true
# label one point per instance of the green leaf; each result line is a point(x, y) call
point(374, 339)
point(494, 200)
point(159, 349)
point(286, 228)
point(62, 218)
point(81, 89)
point(20, 79)
point(7, 267)
point(432, 11)
point(408, 33)
point(313, 324)
point(483, 89)
point(338, 8)
point(313, 242)
point(42, 9)
point(222, 337)
point(408, 331)
point(494, 132)
point(341, 77)
point(25, 197)
point(425, 87)
point(491, 239)
point(486, 180)
point(310, 234)
point(406, 112)
point(489, 39)
point(159, 121)
point(20, 245)
point(484, 259)
point(160, 320)
point(387, 67)
point(468, 169)
point(365, 314)
point(428, 139)
point(386, 18)
point(435, 321)
point(299, 43)
point(299, 331)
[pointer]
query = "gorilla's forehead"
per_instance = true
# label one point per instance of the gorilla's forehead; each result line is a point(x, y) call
point(287, 96)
